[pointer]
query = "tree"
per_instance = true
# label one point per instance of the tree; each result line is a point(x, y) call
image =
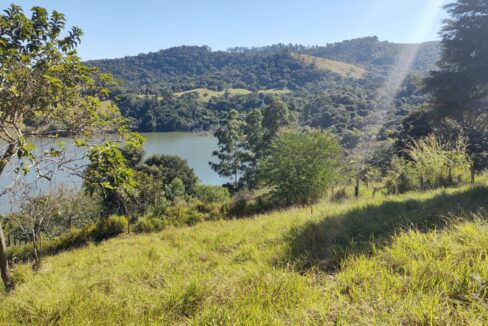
point(167, 168)
point(230, 154)
point(45, 90)
point(276, 116)
point(462, 77)
point(110, 177)
point(301, 165)
point(460, 85)
point(254, 145)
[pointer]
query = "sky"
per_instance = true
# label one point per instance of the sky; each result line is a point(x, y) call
point(117, 28)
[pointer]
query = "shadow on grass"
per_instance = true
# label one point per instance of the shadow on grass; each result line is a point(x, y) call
point(326, 243)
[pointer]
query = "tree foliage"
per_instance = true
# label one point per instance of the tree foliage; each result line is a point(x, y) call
point(301, 165)
point(462, 78)
point(45, 90)
point(230, 154)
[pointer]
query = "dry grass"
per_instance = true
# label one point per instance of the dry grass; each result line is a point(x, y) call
point(338, 67)
point(206, 94)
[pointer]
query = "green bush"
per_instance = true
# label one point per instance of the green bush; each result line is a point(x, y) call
point(301, 165)
point(149, 224)
point(182, 213)
point(212, 194)
point(432, 163)
point(242, 206)
point(109, 228)
point(339, 195)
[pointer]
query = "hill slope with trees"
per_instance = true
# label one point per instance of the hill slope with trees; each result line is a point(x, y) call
point(193, 88)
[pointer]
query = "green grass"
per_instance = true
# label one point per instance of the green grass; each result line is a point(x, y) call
point(408, 259)
point(338, 67)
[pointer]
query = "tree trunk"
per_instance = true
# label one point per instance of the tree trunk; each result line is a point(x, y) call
point(126, 211)
point(37, 257)
point(7, 156)
point(4, 269)
point(472, 174)
point(356, 187)
point(235, 180)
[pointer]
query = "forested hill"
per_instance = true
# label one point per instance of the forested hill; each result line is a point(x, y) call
point(191, 87)
point(189, 67)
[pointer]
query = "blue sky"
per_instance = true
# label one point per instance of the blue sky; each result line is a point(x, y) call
point(116, 28)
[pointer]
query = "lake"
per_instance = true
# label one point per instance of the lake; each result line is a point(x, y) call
point(195, 148)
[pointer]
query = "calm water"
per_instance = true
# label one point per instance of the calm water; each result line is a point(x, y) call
point(195, 148)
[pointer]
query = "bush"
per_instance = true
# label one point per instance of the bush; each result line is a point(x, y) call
point(437, 163)
point(399, 178)
point(301, 165)
point(339, 195)
point(212, 194)
point(149, 224)
point(246, 205)
point(182, 213)
point(109, 228)
point(432, 163)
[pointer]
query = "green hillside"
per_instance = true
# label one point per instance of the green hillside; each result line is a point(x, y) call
point(348, 74)
point(338, 67)
point(408, 259)
point(206, 94)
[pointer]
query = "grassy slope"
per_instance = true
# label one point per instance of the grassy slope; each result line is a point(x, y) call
point(206, 94)
point(297, 266)
point(338, 67)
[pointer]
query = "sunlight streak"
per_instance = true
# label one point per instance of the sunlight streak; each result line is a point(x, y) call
point(405, 59)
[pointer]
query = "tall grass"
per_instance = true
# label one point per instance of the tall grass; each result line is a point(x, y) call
point(402, 261)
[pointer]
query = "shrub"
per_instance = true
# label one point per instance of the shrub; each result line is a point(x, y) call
point(438, 163)
point(212, 194)
point(182, 213)
point(149, 224)
point(246, 205)
point(301, 165)
point(109, 228)
point(399, 178)
point(339, 195)
point(433, 163)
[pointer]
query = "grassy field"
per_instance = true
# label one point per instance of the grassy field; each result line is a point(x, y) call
point(408, 259)
point(338, 67)
point(206, 94)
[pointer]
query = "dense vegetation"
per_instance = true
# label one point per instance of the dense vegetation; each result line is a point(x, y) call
point(338, 84)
